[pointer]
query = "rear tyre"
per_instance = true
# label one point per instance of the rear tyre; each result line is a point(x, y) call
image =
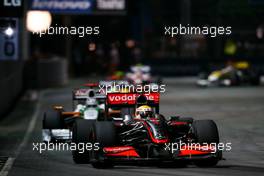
point(52, 120)
point(206, 131)
point(80, 135)
point(104, 134)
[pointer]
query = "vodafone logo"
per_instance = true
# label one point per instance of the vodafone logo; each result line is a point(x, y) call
point(150, 97)
point(123, 98)
point(127, 98)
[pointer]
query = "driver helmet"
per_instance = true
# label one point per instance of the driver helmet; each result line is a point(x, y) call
point(143, 112)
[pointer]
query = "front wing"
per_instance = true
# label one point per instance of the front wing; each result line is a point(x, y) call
point(129, 153)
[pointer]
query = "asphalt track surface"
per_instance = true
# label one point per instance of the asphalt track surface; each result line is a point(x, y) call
point(238, 112)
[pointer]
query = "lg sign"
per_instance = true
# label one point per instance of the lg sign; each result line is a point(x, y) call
point(10, 3)
point(11, 8)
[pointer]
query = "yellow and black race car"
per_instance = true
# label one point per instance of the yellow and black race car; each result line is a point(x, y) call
point(234, 74)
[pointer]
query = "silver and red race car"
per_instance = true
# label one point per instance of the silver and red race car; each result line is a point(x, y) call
point(157, 139)
point(88, 103)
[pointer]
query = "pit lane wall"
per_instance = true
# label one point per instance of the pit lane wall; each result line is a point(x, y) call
point(11, 84)
point(46, 73)
point(17, 76)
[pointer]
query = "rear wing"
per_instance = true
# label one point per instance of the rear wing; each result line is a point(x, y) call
point(111, 82)
point(142, 68)
point(93, 88)
point(84, 93)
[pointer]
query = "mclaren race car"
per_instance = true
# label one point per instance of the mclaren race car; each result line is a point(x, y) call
point(142, 135)
point(235, 73)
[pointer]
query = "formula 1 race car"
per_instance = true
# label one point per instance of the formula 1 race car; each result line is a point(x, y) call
point(88, 104)
point(143, 135)
point(233, 74)
point(57, 123)
point(138, 74)
point(141, 74)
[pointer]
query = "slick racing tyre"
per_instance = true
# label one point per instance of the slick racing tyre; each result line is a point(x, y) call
point(103, 132)
point(80, 136)
point(206, 131)
point(52, 120)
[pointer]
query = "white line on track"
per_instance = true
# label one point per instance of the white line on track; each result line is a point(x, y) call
point(9, 163)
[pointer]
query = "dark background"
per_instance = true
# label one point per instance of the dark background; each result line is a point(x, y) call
point(142, 24)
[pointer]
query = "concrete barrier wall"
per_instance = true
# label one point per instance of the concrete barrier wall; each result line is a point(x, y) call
point(52, 73)
point(43, 73)
point(46, 73)
point(11, 76)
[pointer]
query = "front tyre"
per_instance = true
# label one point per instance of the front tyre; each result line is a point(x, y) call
point(205, 131)
point(103, 133)
point(52, 120)
point(80, 135)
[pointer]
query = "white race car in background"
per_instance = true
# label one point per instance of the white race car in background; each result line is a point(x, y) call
point(141, 74)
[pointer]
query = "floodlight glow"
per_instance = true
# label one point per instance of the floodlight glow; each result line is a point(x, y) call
point(38, 21)
point(9, 31)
